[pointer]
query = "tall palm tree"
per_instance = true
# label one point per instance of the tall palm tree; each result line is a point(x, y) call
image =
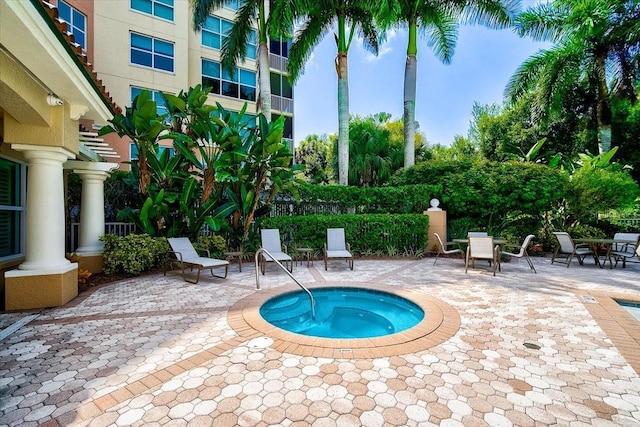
point(595, 42)
point(234, 48)
point(438, 20)
point(347, 16)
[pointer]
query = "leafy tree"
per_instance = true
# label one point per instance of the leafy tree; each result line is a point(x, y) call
point(438, 20)
point(592, 39)
point(348, 16)
point(312, 152)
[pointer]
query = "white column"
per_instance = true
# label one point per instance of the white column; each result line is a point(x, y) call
point(45, 246)
point(93, 175)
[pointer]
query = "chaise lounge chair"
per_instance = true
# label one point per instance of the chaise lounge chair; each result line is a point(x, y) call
point(336, 247)
point(185, 254)
point(270, 241)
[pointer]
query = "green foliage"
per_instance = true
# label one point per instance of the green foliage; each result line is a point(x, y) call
point(594, 189)
point(133, 254)
point(312, 153)
point(216, 246)
point(366, 233)
point(401, 199)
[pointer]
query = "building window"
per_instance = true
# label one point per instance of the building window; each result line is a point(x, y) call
point(287, 132)
point(216, 30)
point(240, 85)
point(156, 95)
point(12, 209)
point(159, 8)
point(279, 47)
point(280, 86)
point(76, 23)
point(151, 52)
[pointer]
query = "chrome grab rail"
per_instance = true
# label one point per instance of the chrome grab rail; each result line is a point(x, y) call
point(312, 300)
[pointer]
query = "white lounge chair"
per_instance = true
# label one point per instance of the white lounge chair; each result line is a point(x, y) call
point(270, 241)
point(567, 249)
point(185, 254)
point(443, 248)
point(522, 253)
point(336, 247)
point(482, 248)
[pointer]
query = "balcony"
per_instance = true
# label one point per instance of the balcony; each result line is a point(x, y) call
point(279, 103)
point(278, 62)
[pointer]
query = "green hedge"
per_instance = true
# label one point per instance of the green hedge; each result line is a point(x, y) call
point(368, 234)
point(325, 199)
point(133, 254)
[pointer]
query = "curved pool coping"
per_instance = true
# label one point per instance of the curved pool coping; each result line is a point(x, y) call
point(441, 322)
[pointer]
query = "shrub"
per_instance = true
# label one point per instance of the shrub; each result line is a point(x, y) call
point(133, 254)
point(367, 233)
point(215, 244)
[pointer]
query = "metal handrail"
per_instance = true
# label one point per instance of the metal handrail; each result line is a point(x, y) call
point(312, 300)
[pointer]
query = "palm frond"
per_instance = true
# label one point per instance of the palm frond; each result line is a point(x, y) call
point(541, 22)
point(234, 48)
point(306, 38)
point(202, 9)
point(489, 13)
point(526, 76)
point(441, 32)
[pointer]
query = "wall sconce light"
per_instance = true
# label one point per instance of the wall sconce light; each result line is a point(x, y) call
point(53, 100)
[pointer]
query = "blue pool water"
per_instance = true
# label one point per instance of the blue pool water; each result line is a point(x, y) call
point(632, 307)
point(342, 313)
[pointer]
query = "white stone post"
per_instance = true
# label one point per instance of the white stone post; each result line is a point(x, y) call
point(93, 175)
point(45, 246)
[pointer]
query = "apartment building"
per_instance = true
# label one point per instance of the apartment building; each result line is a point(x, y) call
point(151, 44)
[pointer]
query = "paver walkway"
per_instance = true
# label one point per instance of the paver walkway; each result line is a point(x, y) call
point(531, 350)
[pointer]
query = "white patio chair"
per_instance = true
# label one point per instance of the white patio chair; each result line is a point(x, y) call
point(522, 253)
point(270, 240)
point(185, 254)
point(622, 251)
point(336, 247)
point(482, 248)
point(443, 248)
point(567, 249)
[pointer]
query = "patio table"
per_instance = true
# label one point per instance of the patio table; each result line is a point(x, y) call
point(598, 244)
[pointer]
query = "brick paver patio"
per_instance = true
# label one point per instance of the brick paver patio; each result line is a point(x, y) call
point(551, 348)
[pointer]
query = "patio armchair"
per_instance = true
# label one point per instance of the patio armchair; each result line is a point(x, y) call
point(185, 255)
point(522, 253)
point(443, 248)
point(567, 249)
point(270, 241)
point(482, 248)
point(336, 247)
point(622, 251)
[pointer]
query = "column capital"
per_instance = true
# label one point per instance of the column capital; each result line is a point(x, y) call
point(44, 153)
point(91, 169)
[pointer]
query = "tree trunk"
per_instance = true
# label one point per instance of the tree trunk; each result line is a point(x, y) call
point(343, 119)
point(264, 80)
point(410, 72)
point(603, 108)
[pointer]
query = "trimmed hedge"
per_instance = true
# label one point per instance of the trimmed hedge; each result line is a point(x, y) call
point(368, 234)
point(328, 199)
point(133, 254)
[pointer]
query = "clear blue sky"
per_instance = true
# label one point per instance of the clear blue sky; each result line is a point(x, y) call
point(482, 64)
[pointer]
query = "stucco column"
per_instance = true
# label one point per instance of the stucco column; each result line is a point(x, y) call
point(93, 175)
point(45, 245)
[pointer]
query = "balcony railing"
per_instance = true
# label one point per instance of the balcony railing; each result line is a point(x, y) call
point(278, 62)
point(279, 103)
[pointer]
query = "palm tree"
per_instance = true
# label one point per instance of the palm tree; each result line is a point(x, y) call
point(319, 17)
point(234, 48)
point(592, 39)
point(438, 20)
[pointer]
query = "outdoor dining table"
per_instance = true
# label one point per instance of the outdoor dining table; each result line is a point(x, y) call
point(498, 242)
point(597, 244)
